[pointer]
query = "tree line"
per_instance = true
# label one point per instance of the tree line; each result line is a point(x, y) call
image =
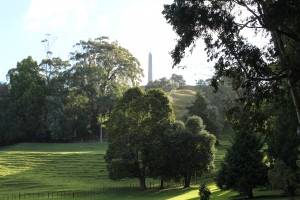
point(58, 100)
point(146, 141)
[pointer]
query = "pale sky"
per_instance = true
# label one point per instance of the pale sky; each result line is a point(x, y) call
point(137, 25)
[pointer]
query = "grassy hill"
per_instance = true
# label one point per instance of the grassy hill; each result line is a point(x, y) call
point(181, 99)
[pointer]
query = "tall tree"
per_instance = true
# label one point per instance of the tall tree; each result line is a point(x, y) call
point(136, 132)
point(262, 72)
point(28, 99)
point(126, 129)
point(102, 68)
point(5, 121)
point(196, 150)
point(158, 147)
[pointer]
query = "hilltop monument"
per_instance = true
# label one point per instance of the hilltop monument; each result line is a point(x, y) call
point(150, 67)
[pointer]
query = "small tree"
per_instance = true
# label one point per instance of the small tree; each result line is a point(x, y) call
point(204, 192)
point(242, 168)
point(178, 79)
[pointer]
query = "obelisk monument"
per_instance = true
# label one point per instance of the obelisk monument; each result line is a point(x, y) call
point(150, 67)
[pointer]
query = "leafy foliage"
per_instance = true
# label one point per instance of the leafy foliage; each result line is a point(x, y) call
point(204, 192)
point(260, 72)
point(282, 177)
point(28, 100)
point(136, 129)
point(243, 162)
point(163, 83)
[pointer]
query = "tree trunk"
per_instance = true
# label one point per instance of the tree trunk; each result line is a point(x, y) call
point(161, 183)
point(142, 179)
point(296, 99)
point(250, 194)
point(187, 180)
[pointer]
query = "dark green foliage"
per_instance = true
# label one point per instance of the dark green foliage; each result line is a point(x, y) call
point(282, 177)
point(204, 192)
point(136, 134)
point(283, 141)
point(57, 123)
point(259, 72)
point(102, 69)
point(5, 119)
point(27, 100)
point(243, 167)
point(195, 150)
point(200, 108)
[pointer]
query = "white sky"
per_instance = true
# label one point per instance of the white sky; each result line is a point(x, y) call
point(137, 25)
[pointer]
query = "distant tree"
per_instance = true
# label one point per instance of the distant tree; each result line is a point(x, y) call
point(243, 168)
point(200, 108)
point(163, 83)
point(178, 79)
point(136, 130)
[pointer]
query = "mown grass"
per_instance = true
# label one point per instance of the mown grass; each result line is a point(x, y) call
point(181, 99)
point(29, 168)
point(38, 168)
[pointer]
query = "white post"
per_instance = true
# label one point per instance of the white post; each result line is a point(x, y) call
point(101, 128)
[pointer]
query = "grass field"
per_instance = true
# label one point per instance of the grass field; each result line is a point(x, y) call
point(37, 168)
point(180, 99)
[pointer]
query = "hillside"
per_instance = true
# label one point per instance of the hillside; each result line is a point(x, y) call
point(181, 99)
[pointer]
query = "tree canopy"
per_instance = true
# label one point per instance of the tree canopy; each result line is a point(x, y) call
point(262, 72)
point(135, 129)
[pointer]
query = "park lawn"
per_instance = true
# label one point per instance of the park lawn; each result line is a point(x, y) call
point(179, 194)
point(38, 168)
point(41, 168)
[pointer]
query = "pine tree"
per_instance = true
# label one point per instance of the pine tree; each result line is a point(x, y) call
point(242, 169)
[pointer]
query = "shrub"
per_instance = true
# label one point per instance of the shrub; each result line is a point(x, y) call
point(204, 192)
point(282, 177)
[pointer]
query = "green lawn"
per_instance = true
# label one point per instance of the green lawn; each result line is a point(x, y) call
point(180, 99)
point(42, 168)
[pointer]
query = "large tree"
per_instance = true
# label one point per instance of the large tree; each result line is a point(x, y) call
point(261, 71)
point(101, 69)
point(27, 89)
point(196, 150)
point(136, 129)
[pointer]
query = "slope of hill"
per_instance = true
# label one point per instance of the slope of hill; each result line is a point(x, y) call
point(181, 99)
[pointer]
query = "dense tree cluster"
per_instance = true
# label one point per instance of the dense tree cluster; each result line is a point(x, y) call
point(144, 140)
point(264, 75)
point(57, 101)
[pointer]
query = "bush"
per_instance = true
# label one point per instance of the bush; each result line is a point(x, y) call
point(204, 192)
point(282, 177)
